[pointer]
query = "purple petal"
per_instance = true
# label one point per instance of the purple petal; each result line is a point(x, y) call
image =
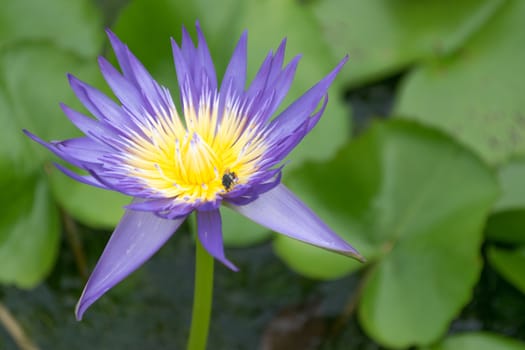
point(269, 69)
point(80, 152)
point(209, 227)
point(281, 211)
point(167, 208)
point(188, 49)
point(83, 91)
point(186, 87)
point(100, 105)
point(85, 179)
point(83, 149)
point(93, 128)
point(298, 112)
point(236, 72)
point(205, 62)
point(126, 92)
point(258, 84)
point(288, 143)
point(137, 237)
point(135, 72)
point(281, 85)
point(121, 52)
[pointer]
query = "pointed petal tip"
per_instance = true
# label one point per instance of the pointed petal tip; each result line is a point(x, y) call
point(272, 209)
point(27, 133)
point(71, 78)
point(114, 39)
point(128, 248)
point(199, 29)
point(209, 231)
point(110, 34)
point(184, 30)
point(354, 254)
point(84, 303)
point(341, 64)
point(103, 63)
point(35, 138)
point(81, 307)
point(244, 36)
point(229, 264)
point(175, 47)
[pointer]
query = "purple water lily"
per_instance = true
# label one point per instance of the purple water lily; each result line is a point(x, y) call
point(224, 150)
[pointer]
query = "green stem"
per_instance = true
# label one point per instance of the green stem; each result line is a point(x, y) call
point(202, 299)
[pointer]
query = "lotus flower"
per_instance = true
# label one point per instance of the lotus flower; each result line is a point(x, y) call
point(220, 146)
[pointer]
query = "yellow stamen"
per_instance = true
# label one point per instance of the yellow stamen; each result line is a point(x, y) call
point(190, 162)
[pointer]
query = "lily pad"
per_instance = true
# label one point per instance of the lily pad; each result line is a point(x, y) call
point(391, 193)
point(507, 222)
point(479, 341)
point(476, 95)
point(510, 264)
point(223, 24)
point(72, 25)
point(383, 36)
point(32, 83)
point(29, 232)
point(507, 226)
point(512, 179)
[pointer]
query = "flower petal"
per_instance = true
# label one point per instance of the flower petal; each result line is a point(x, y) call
point(101, 106)
point(236, 72)
point(167, 208)
point(121, 52)
point(98, 131)
point(187, 90)
point(204, 62)
point(269, 70)
point(134, 71)
point(85, 179)
point(281, 211)
point(137, 237)
point(298, 112)
point(209, 227)
point(127, 93)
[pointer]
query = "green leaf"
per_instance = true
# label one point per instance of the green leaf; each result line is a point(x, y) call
point(507, 223)
point(477, 94)
point(391, 193)
point(29, 232)
point(512, 179)
point(507, 226)
point(223, 24)
point(72, 25)
point(510, 264)
point(32, 83)
point(383, 36)
point(479, 341)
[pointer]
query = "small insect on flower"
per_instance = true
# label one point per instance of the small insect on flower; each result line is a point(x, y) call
point(174, 159)
point(229, 179)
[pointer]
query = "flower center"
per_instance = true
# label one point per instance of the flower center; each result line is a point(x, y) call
point(198, 161)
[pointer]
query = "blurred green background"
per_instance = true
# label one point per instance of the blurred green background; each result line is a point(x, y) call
point(419, 162)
